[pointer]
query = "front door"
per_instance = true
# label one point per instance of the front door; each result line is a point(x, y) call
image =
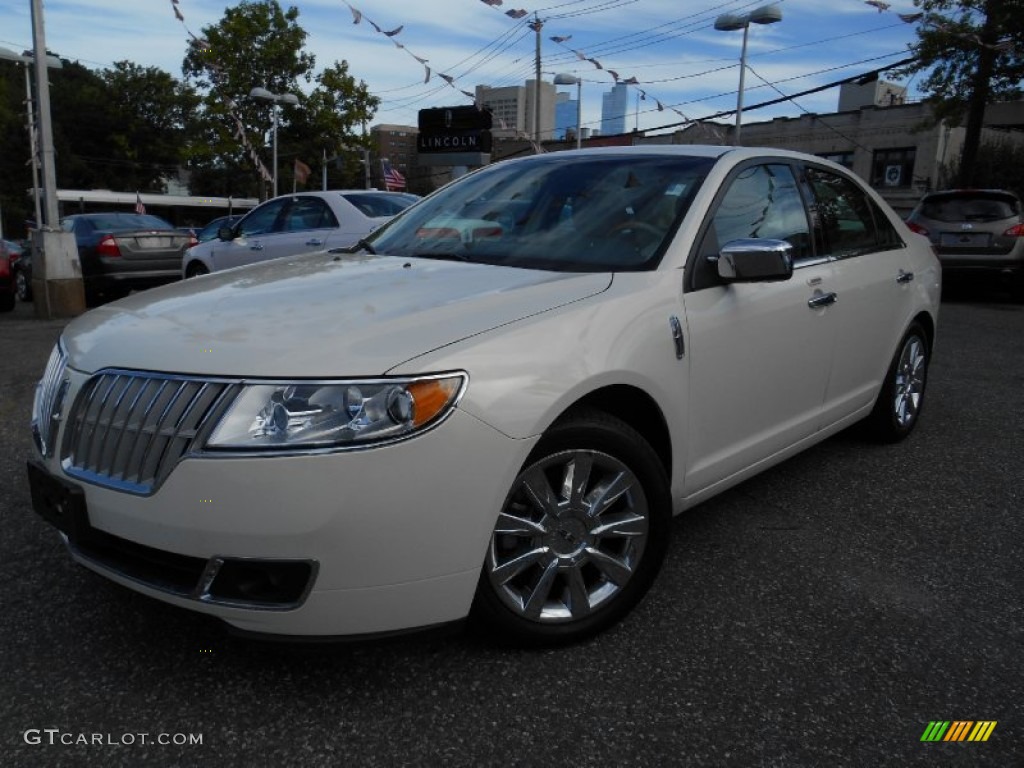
point(759, 353)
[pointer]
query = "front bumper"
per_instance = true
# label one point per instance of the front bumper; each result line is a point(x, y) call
point(395, 535)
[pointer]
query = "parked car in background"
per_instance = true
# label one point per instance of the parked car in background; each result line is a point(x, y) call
point(120, 252)
point(977, 231)
point(209, 232)
point(21, 267)
point(9, 253)
point(471, 413)
point(298, 223)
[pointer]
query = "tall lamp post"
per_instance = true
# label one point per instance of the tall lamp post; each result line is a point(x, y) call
point(275, 98)
point(730, 22)
point(564, 79)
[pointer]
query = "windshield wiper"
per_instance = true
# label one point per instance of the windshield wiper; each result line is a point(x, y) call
point(362, 243)
point(442, 256)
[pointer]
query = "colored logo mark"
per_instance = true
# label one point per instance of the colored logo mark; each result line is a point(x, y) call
point(958, 730)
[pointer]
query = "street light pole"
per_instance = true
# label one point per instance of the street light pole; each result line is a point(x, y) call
point(275, 149)
point(33, 148)
point(33, 151)
point(739, 93)
point(729, 22)
point(275, 99)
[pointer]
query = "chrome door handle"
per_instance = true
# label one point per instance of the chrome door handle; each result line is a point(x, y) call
point(824, 300)
point(256, 247)
point(904, 277)
point(314, 241)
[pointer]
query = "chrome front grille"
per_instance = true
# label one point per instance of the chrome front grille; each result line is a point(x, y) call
point(128, 430)
point(48, 401)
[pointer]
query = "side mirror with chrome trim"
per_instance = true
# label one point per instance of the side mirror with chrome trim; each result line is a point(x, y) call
point(754, 260)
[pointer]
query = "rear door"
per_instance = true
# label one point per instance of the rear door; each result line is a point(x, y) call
point(874, 288)
point(307, 225)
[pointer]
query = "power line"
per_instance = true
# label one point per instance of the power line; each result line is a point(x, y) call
point(826, 86)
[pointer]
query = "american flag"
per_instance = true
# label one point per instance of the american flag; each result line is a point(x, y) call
point(393, 179)
point(139, 207)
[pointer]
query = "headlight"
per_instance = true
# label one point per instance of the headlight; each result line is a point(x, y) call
point(335, 414)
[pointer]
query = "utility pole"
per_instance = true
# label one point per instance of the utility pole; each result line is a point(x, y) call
point(536, 26)
point(62, 294)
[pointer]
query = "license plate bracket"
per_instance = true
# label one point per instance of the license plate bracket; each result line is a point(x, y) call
point(58, 502)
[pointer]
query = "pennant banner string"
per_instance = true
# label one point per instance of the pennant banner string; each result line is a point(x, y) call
point(216, 72)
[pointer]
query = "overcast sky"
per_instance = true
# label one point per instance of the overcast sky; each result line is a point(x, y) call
point(669, 46)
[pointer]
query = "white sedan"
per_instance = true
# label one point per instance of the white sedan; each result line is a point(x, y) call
point(293, 224)
point(491, 408)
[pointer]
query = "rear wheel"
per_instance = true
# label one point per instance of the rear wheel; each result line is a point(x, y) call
point(581, 536)
point(900, 402)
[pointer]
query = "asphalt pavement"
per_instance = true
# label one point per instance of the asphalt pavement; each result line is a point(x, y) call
point(821, 614)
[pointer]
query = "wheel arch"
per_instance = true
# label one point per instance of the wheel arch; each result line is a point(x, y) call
point(635, 407)
point(192, 262)
point(927, 322)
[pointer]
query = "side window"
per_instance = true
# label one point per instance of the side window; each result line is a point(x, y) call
point(845, 215)
point(262, 219)
point(308, 213)
point(762, 201)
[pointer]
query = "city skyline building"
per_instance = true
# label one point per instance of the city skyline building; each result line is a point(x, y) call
point(512, 107)
point(614, 106)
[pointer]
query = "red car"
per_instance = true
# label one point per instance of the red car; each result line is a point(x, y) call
point(8, 251)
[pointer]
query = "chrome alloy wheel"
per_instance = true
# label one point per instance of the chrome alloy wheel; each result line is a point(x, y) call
point(571, 534)
point(909, 384)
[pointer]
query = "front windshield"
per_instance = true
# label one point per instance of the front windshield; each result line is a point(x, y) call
point(596, 213)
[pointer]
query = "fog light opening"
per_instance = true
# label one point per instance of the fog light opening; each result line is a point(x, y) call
point(262, 583)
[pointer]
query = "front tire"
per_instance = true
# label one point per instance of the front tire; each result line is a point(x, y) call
point(899, 404)
point(581, 535)
point(195, 269)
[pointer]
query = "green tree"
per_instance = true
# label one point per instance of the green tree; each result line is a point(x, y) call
point(973, 52)
point(330, 125)
point(998, 165)
point(15, 175)
point(255, 44)
point(152, 114)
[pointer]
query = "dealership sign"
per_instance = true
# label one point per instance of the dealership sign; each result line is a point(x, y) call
point(454, 136)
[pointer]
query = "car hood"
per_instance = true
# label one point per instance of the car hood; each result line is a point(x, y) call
point(315, 316)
